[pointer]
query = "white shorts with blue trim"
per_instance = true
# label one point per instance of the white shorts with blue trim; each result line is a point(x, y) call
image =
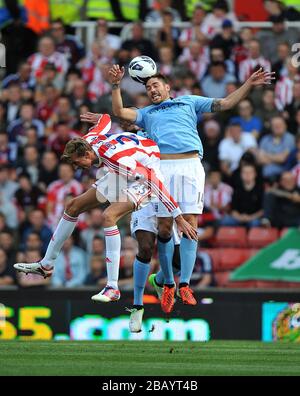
point(184, 179)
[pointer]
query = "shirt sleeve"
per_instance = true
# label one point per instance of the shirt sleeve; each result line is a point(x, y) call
point(148, 177)
point(140, 118)
point(202, 104)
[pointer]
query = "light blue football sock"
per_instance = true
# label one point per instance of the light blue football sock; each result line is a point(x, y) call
point(188, 251)
point(165, 255)
point(140, 275)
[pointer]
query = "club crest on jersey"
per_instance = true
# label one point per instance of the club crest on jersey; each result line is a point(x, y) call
point(109, 145)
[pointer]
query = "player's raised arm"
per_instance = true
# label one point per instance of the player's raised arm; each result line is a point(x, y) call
point(115, 76)
point(259, 77)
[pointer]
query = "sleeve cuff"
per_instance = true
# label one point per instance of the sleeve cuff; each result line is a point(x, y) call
point(176, 212)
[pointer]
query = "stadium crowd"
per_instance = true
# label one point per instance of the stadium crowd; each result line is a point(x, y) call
point(251, 154)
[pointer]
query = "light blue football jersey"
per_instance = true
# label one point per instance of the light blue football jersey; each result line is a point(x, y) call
point(172, 124)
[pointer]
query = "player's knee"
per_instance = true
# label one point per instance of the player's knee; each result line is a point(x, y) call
point(73, 208)
point(145, 251)
point(109, 219)
point(165, 231)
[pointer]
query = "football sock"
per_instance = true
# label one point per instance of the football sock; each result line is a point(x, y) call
point(141, 271)
point(188, 251)
point(62, 232)
point(165, 255)
point(159, 277)
point(113, 252)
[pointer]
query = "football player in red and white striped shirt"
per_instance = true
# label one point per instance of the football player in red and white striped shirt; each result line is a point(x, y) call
point(130, 168)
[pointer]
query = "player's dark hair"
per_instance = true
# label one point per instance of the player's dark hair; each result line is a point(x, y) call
point(76, 146)
point(160, 77)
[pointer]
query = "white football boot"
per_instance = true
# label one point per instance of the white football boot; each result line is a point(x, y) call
point(108, 294)
point(136, 319)
point(34, 268)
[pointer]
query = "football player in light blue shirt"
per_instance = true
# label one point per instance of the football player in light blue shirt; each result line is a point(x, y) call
point(172, 124)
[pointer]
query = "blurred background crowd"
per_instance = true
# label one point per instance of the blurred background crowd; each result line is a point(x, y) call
point(52, 75)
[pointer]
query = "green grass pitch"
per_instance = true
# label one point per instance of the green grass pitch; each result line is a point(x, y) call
point(148, 358)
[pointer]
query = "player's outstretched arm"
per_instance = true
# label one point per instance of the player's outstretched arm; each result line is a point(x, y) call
point(259, 77)
point(115, 76)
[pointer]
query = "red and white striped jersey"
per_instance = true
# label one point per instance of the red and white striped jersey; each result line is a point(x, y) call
point(37, 62)
point(57, 193)
point(248, 65)
point(283, 92)
point(131, 156)
point(218, 197)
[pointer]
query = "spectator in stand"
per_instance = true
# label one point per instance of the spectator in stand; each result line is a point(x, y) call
point(37, 224)
point(70, 266)
point(226, 40)
point(66, 44)
point(217, 55)
point(48, 170)
point(110, 43)
point(249, 122)
point(95, 229)
point(212, 24)
point(22, 78)
point(7, 272)
point(267, 110)
point(283, 52)
point(233, 146)
point(28, 196)
point(211, 138)
point(7, 243)
point(166, 60)
point(168, 35)
point(94, 72)
point(196, 59)
point(241, 51)
point(60, 137)
point(275, 148)
point(214, 84)
point(7, 192)
point(202, 276)
point(207, 225)
point(16, 129)
point(194, 32)
point(8, 151)
point(281, 204)
point(284, 86)
point(138, 41)
point(31, 280)
point(291, 109)
point(49, 75)
point(30, 163)
point(63, 113)
point(79, 95)
point(47, 54)
point(33, 242)
point(126, 270)
point(13, 102)
point(278, 8)
point(98, 246)
point(296, 169)
point(247, 200)
point(253, 62)
point(58, 191)
point(270, 39)
point(156, 15)
point(97, 272)
point(47, 102)
point(217, 195)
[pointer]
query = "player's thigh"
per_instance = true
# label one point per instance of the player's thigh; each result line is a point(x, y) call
point(83, 202)
point(116, 211)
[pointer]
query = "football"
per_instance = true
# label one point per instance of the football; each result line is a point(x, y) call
point(141, 68)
